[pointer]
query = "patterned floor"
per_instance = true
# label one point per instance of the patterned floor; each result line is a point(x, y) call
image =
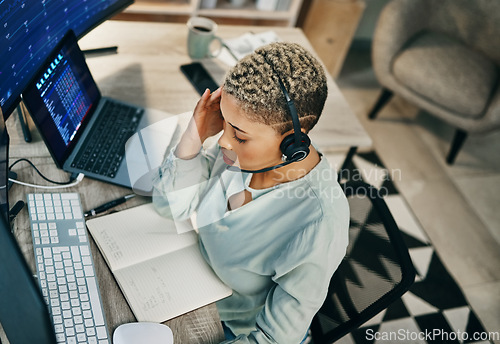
point(435, 309)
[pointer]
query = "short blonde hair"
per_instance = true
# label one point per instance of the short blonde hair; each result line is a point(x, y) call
point(253, 82)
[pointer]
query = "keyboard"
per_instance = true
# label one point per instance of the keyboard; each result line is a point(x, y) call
point(104, 149)
point(65, 268)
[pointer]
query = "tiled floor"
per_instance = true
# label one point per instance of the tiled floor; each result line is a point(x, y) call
point(458, 206)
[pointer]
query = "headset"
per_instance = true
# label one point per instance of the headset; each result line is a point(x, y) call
point(294, 147)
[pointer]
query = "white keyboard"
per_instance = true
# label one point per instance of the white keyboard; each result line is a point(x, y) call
point(65, 268)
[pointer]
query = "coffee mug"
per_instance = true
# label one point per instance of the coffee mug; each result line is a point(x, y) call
point(200, 36)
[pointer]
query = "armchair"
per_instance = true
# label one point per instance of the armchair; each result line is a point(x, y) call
point(444, 57)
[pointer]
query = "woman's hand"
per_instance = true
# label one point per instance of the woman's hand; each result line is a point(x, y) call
point(206, 121)
point(207, 115)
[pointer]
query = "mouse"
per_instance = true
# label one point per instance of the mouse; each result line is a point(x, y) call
point(143, 333)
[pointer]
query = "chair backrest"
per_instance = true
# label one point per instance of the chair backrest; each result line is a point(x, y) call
point(475, 23)
point(376, 271)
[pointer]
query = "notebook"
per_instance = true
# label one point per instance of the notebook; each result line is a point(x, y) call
point(84, 131)
point(161, 273)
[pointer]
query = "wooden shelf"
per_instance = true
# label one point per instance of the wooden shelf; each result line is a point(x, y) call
point(161, 7)
point(330, 26)
point(165, 9)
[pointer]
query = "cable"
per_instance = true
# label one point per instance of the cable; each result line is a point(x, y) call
point(79, 178)
point(40, 173)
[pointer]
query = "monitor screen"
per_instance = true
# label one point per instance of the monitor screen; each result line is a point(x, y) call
point(29, 31)
point(4, 169)
point(23, 312)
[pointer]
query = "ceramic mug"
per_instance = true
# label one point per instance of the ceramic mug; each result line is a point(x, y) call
point(200, 36)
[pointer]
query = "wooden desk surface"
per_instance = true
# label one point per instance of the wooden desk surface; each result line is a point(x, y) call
point(146, 72)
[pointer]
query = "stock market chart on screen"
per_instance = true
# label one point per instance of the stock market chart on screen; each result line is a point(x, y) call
point(30, 29)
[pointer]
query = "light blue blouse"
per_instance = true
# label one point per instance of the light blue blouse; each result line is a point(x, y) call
point(277, 252)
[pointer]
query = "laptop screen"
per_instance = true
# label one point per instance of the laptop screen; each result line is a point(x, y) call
point(62, 97)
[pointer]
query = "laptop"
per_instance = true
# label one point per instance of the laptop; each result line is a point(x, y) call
point(84, 131)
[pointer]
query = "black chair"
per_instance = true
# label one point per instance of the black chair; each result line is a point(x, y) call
point(376, 271)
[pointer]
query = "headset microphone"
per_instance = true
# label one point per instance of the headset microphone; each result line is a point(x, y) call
point(237, 169)
point(294, 147)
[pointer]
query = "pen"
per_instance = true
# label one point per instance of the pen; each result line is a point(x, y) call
point(15, 210)
point(104, 50)
point(109, 205)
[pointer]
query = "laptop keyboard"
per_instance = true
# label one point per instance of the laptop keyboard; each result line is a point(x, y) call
point(104, 148)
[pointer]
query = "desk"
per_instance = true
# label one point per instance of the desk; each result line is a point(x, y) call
point(146, 72)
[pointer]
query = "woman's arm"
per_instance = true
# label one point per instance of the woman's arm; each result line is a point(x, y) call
point(184, 174)
point(206, 122)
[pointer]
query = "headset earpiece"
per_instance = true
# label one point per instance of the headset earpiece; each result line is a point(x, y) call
point(295, 151)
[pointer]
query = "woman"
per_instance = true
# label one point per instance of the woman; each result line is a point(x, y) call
point(273, 231)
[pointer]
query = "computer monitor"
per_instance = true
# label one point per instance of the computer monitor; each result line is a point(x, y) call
point(23, 312)
point(4, 169)
point(29, 30)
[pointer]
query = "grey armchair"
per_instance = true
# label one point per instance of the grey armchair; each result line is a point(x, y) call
point(444, 57)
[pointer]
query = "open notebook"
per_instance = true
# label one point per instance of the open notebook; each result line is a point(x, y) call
point(161, 273)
